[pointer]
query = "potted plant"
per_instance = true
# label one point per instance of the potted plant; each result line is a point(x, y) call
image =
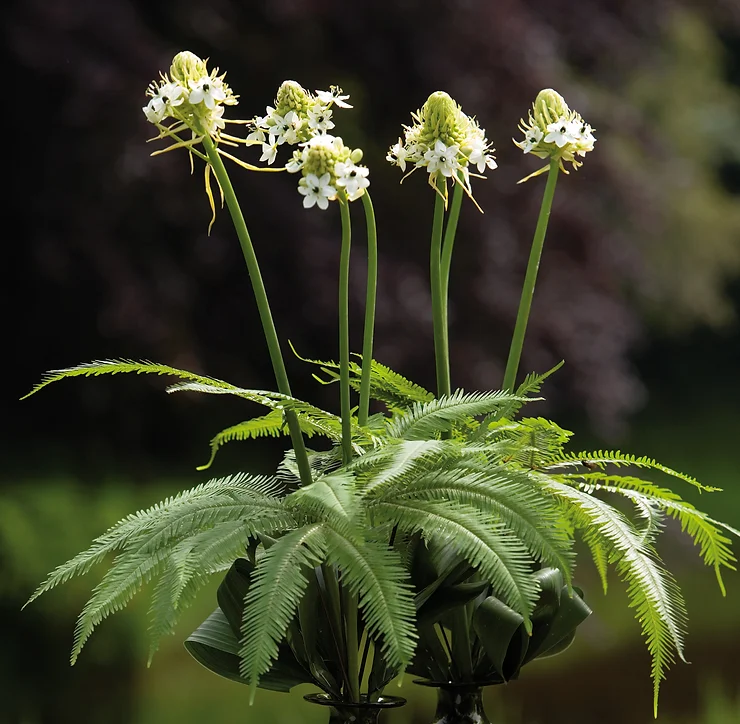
point(435, 535)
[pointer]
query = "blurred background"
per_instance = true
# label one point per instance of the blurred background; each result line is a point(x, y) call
point(107, 255)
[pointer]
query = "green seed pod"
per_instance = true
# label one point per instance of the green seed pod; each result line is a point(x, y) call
point(548, 107)
point(441, 119)
point(291, 96)
point(187, 66)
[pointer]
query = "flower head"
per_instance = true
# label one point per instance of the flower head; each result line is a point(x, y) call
point(445, 141)
point(191, 97)
point(554, 131)
point(329, 171)
point(297, 116)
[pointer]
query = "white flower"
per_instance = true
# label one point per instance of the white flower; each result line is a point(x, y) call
point(353, 178)
point(257, 136)
point(442, 158)
point(284, 128)
point(397, 155)
point(478, 156)
point(206, 90)
point(296, 162)
point(172, 94)
point(155, 110)
point(333, 96)
point(316, 190)
point(562, 132)
point(319, 119)
point(531, 138)
point(214, 121)
point(586, 139)
point(269, 151)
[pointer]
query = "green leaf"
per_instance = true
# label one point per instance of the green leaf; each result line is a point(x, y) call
point(214, 645)
point(425, 420)
point(278, 583)
point(496, 625)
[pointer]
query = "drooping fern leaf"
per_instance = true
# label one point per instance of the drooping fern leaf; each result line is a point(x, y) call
point(124, 366)
point(620, 459)
point(705, 532)
point(374, 573)
point(272, 424)
point(488, 547)
point(135, 524)
point(278, 583)
point(507, 497)
point(652, 591)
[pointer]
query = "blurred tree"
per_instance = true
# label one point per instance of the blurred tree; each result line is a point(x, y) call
point(113, 244)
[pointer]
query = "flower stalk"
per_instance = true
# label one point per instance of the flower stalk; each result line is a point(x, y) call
point(525, 303)
point(370, 299)
point(344, 388)
point(441, 342)
point(260, 295)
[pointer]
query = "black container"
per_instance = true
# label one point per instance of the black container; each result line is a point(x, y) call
point(366, 712)
point(458, 702)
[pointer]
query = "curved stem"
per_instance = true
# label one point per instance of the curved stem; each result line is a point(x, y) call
point(344, 332)
point(441, 351)
point(525, 304)
point(370, 297)
point(260, 295)
point(449, 240)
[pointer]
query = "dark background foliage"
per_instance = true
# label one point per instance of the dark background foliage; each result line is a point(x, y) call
point(107, 254)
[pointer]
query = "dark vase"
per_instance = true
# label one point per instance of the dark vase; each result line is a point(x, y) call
point(366, 712)
point(459, 703)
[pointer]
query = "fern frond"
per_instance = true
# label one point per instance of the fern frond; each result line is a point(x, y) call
point(188, 569)
point(620, 459)
point(331, 499)
point(425, 420)
point(507, 497)
point(387, 386)
point(124, 366)
point(136, 524)
point(114, 591)
point(403, 460)
point(489, 547)
point(270, 425)
point(278, 583)
point(374, 573)
point(322, 422)
point(705, 532)
point(653, 592)
point(531, 385)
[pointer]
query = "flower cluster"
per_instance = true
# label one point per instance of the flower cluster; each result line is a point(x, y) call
point(297, 117)
point(553, 130)
point(330, 171)
point(445, 141)
point(191, 96)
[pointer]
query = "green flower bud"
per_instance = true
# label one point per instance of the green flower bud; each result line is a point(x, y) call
point(549, 106)
point(187, 66)
point(356, 155)
point(291, 96)
point(442, 119)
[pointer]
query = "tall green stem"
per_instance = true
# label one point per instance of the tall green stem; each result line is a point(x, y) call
point(441, 350)
point(370, 296)
point(268, 325)
point(525, 304)
point(449, 241)
point(353, 646)
point(344, 332)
